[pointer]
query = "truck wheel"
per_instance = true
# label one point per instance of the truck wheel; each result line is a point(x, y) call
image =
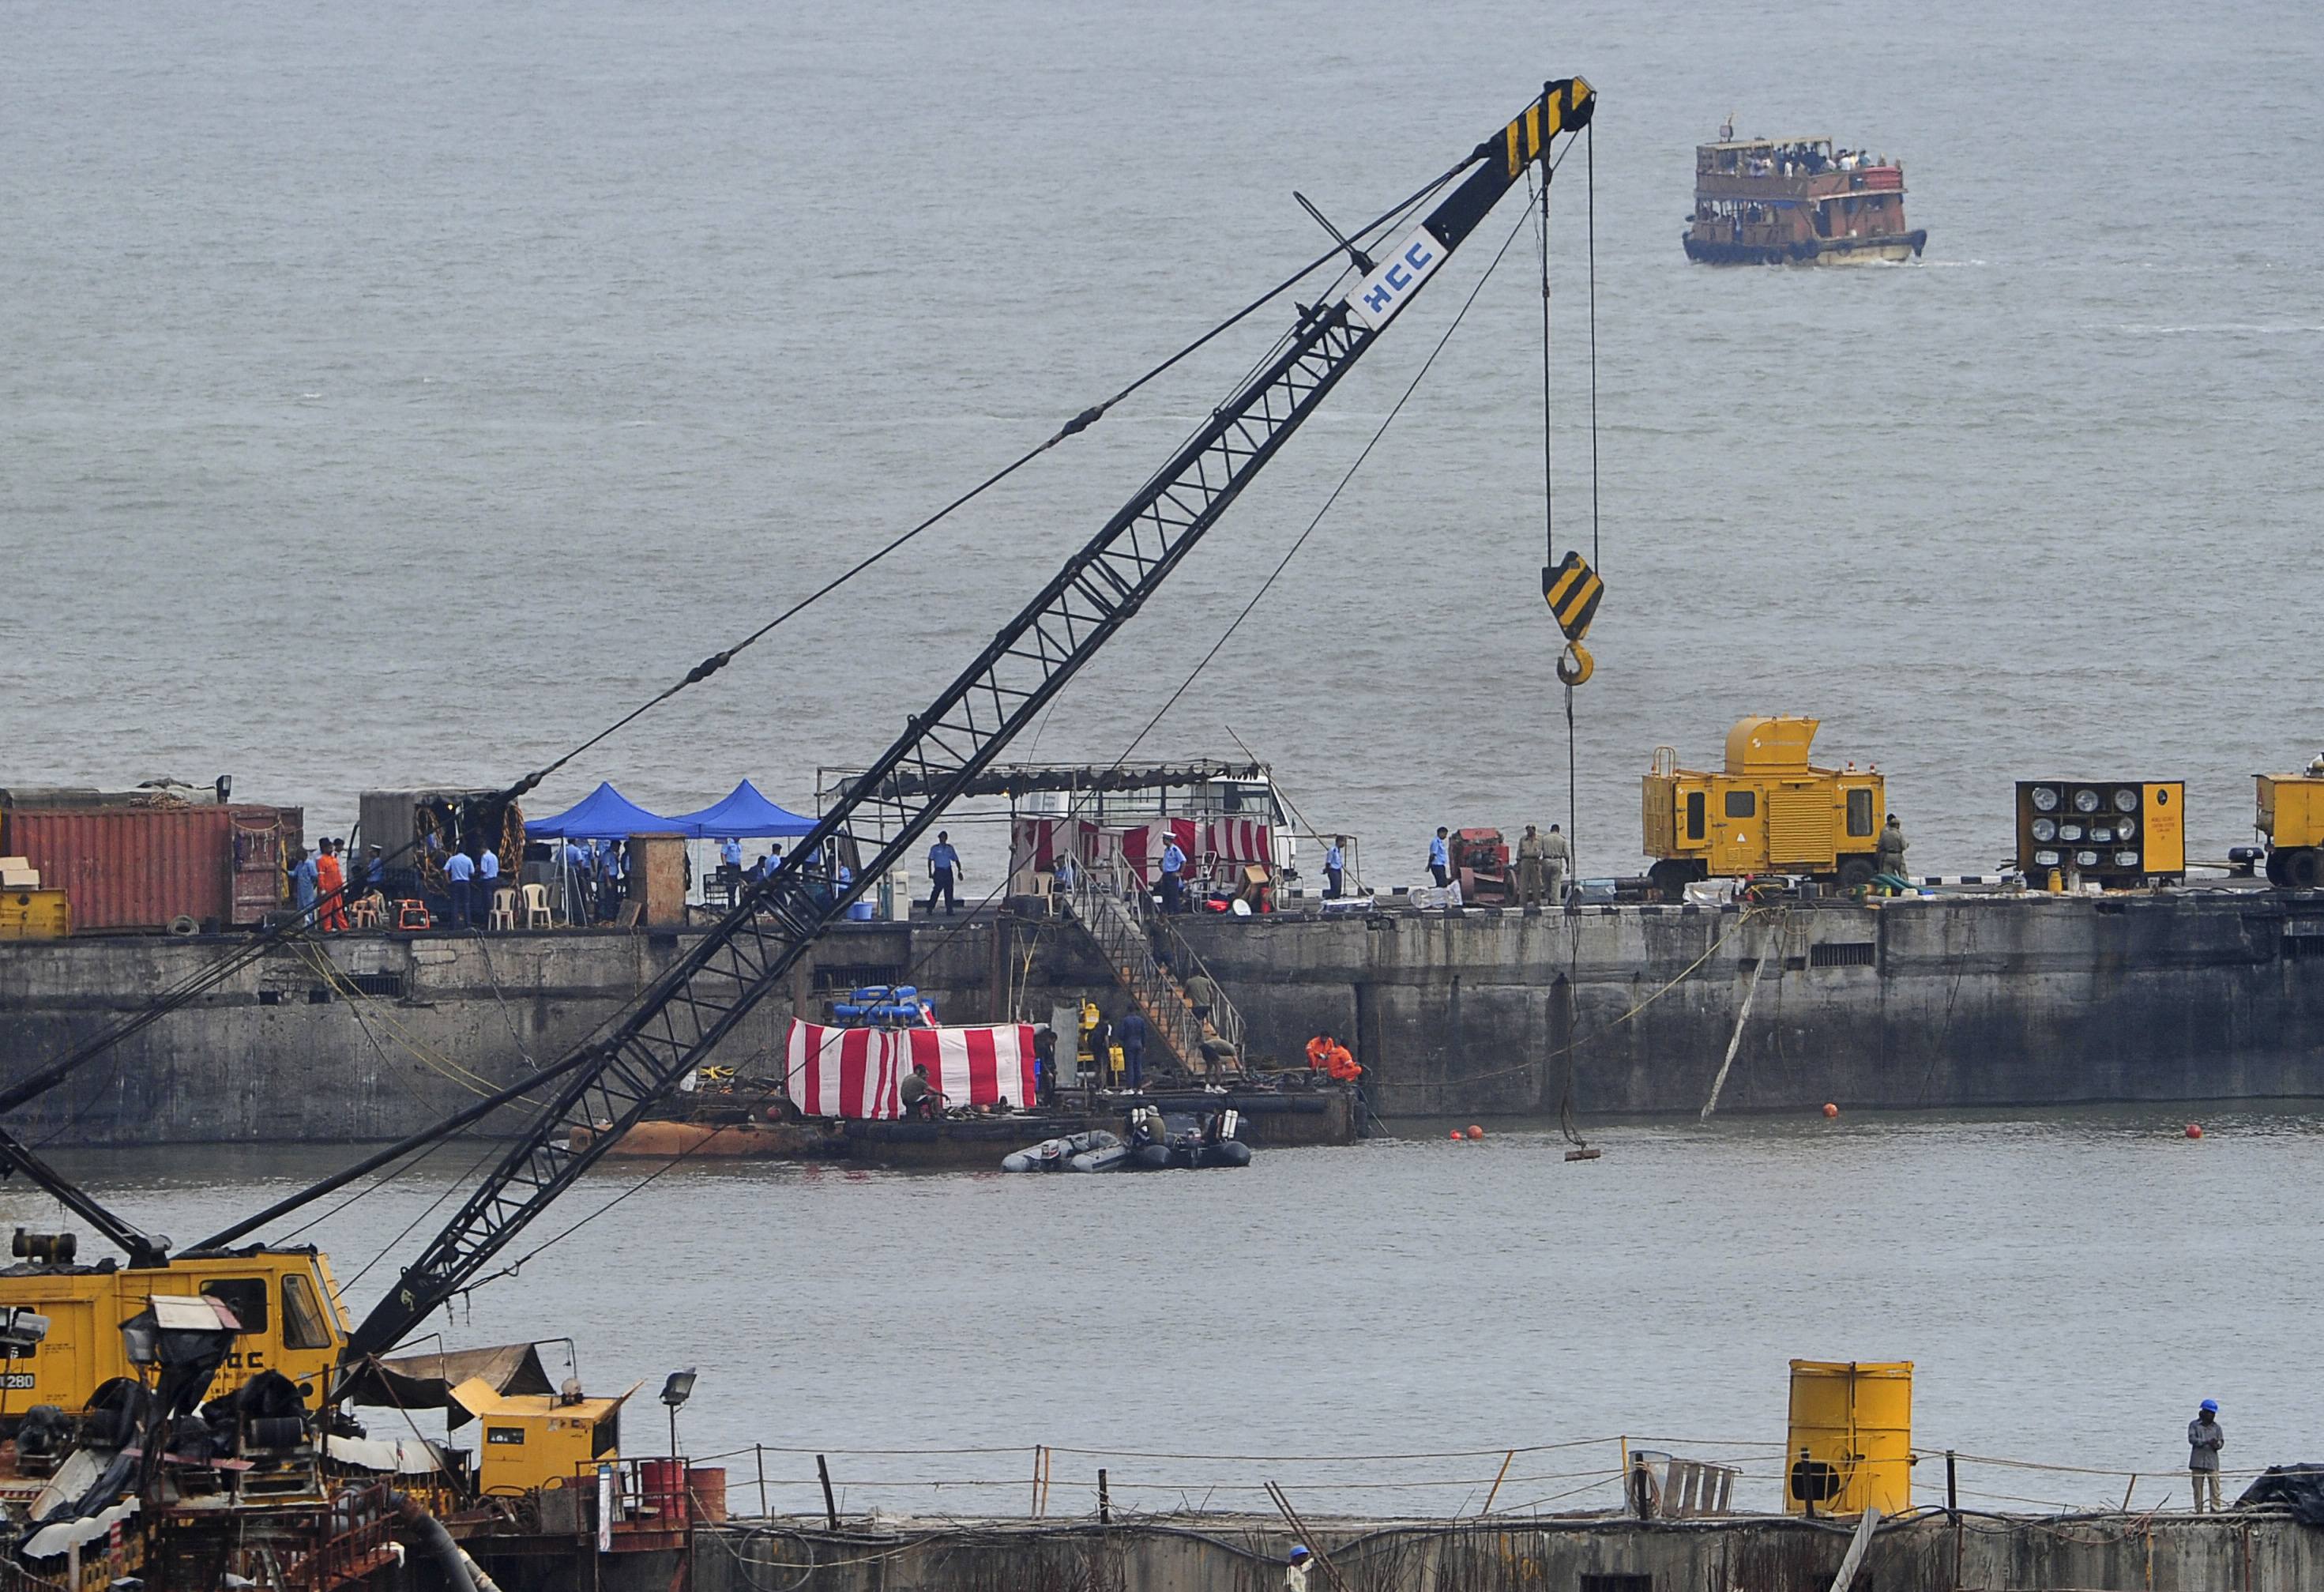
point(2275, 861)
point(1671, 875)
point(1855, 873)
point(2304, 869)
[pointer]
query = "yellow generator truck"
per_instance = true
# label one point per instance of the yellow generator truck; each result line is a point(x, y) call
point(1769, 811)
point(2292, 819)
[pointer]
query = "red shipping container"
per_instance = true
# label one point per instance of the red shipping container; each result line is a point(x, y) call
point(142, 867)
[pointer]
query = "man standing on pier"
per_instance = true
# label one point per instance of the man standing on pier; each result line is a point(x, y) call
point(331, 886)
point(1529, 868)
point(1440, 860)
point(458, 870)
point(1174, 880)
point(1557, 861)
point(1888, 851)
point(1335, 868)
point(2204, 1438)
point(943, 867)
point(488, 881)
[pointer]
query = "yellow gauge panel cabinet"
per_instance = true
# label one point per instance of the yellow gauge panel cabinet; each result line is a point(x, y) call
point(292, 1322)
point(1850, 1438)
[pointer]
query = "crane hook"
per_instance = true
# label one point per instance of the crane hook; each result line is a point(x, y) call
point(1574, 664)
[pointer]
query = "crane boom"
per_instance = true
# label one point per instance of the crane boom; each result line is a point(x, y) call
point(679, 1020)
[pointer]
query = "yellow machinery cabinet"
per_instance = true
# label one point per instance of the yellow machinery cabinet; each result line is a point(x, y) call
point(2291, 809)
point(2292, 817)
point(36, 914)
point(1851, 1438)
point(535, 1440)
point(1768, 810)
point(289, 1305)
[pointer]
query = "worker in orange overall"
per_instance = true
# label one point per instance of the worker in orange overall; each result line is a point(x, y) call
point(1328, 1056)
point(331, 886)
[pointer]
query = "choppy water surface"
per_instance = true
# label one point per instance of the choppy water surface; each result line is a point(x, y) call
point(396, 394)
point(2070, 1288)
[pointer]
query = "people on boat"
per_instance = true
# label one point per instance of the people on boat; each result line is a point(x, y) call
point(920, 1098)
point(1329, 1057)
point(1294, 1568)
point(1045, 1064)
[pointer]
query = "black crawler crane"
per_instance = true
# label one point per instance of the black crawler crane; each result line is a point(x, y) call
point(677, 1022)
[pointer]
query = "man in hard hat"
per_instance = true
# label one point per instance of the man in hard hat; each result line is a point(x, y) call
point(2204, 1438)
point(1888, 853)
point(1294, 1568)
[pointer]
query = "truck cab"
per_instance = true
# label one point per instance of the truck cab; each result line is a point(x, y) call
point(1768, 810)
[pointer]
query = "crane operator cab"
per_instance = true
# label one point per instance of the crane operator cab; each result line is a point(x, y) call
point(285, 1301)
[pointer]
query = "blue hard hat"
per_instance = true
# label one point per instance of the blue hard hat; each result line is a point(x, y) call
point(2210, 1406)
point(1299, 1551)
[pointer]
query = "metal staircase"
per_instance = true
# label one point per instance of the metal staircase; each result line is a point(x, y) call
point(1120, 920)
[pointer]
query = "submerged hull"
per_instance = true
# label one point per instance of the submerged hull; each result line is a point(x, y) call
point(1813, 250)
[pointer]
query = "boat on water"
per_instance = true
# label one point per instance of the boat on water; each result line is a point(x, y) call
point(1778, 201)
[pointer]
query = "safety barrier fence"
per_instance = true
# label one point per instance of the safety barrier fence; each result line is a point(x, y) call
point(1583, 1476)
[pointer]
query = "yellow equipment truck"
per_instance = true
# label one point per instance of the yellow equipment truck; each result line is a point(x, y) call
point(1769, 811)
point(2292, 819)
point(292, 1320)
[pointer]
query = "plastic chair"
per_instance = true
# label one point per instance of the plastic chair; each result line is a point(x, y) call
point(369, 912)
point(536, 914)
point(411, 914)
point(504, 913)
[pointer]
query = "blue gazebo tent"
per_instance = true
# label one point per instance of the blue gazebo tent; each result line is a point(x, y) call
point(743, 814)
point(606, 814)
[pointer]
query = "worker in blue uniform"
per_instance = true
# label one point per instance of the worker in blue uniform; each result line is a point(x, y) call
point(1336, 867)
point(459, 868)
point(1174, 882)
point(1440, 860)
point(488, 881)
point(944, 869)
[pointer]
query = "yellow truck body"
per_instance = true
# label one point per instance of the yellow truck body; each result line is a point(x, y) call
point(293, 1321)
point(36, 914)
point(2292, 817)
point(1768, 811)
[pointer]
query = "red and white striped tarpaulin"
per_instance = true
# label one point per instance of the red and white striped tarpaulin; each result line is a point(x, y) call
point(1238, 840)
point(859, 1072)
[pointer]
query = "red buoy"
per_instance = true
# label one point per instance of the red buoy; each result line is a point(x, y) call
point(1458, 1137)
point(2194, 1130)
point(1475, 1131)
point(1830, 1109)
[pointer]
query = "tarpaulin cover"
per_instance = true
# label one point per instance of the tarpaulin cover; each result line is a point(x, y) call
point(2302, 1487)
point(603, 814)
point(859, 1072)
point(744, 814)
point(425, 1381)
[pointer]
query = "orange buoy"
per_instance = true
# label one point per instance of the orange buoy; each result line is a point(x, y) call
point(1475, 1131)
point(1459, 1137)
point(1830, 1109)
point(2194, 1130)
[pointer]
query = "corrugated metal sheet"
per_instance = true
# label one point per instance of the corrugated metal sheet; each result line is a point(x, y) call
point(140, 868)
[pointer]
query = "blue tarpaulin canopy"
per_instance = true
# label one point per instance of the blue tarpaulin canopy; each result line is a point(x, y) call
point(744, 814)
point(606, 814)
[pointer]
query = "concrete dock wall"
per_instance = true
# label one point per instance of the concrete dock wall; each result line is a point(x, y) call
point(1966, 1002)
point(1210, 1553)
